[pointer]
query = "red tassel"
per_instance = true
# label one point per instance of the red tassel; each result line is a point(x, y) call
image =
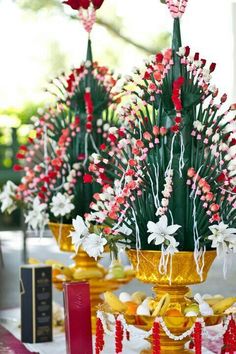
point(156, 338)
point(119, 337)
point(197, 336)
point(99, 336)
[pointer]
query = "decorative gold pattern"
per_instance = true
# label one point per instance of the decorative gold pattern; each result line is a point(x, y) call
point(183, 273)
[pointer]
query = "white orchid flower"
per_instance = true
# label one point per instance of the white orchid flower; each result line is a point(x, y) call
point(80, 232)
point(94, 244)
point(223, 238)
point(161, 233)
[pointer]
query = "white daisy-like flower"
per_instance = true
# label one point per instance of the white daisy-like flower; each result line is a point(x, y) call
point(61, 204)
point(37, 218)
point(161, 233)
point(223, 238)
point(7, 197)
point(80, 232)
point(94, 245)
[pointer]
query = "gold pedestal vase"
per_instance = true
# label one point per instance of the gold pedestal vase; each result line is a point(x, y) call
point(183, 274)
point(85, 268)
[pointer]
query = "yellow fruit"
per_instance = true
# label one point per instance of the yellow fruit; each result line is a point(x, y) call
point(192, 308)
point(80, 274)
point(113, 301)
point(66, 271)
point(53, 263)
point(138, 297)
point(33, 261)
point(222, 305)
point(162, 306)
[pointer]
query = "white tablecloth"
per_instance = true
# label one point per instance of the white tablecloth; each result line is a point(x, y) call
point(10, 319)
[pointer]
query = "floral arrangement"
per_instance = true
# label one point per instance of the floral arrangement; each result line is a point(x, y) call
point(174, 161)
point(56, 183)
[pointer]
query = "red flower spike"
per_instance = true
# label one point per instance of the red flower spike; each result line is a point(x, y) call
point(156, 338)
point(212, 67)
point(119, 334)
point(97, 3)
point(17, 168)
point(99, 336)
point(87, 178)
point(197, 335)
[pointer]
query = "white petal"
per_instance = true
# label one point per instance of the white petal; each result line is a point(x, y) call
point(172, 229)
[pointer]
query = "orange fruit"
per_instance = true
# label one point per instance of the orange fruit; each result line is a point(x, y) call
point(131, 308)
point(55, 272)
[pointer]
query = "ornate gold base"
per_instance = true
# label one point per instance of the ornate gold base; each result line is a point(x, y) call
point(85, 268)
point(183, 273)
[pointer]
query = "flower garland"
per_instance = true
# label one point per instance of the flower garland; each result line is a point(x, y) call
point(197, 331)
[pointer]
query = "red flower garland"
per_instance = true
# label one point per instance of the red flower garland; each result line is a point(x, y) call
point(89, 109)
point(119, 335)
point(197, 336)
point(230, 338)
point(99, 336)
point(156, 338)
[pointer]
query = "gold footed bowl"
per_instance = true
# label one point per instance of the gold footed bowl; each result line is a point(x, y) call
point(183, 274)
point(86, 268)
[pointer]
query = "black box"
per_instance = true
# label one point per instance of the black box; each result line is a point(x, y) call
point(36, 303)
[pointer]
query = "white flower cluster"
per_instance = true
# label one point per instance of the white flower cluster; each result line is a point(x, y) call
point(91, 243)
point(7, 197)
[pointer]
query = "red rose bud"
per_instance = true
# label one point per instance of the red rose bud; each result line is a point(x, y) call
point(212, 67)
point(203, 62)
point(221, 177)
point(89, 125)
point(87, 178)
point(223, 98)
point(85, 4)
point(20, 156)
point(178, 120)
point(74, 4)
point(196, 56)
point(30, 140)
point(159, 57)
point(187, 51)
point(147, 76)
point(102, 147)
point(41, 195)
point(174, 129)
point(17, 168)
point(23, 148)
point(97, 3)
point(112, 137)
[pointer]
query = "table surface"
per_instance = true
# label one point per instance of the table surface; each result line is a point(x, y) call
point(10, 319)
